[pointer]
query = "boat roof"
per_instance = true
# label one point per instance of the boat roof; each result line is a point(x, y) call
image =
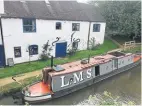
point(76, 65)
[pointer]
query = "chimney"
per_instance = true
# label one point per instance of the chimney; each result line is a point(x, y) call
point(1, 6)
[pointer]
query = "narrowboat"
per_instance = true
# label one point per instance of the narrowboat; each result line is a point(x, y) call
point(60, 80)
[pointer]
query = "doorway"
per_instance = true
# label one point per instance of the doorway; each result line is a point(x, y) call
point(61, 49)
point(97, 70)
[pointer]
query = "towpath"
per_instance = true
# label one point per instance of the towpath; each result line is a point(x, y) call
point(9, 80)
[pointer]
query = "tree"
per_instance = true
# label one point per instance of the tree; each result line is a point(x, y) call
point(122, 17)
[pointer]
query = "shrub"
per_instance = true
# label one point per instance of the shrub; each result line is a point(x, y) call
point(71, 52)
point(93, 45)
point(46, 51)
point(44, 57)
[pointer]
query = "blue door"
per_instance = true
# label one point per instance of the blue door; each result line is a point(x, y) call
point(61, 49)
point(2, 57)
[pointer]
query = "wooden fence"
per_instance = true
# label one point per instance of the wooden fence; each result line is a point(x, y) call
point(130, 44)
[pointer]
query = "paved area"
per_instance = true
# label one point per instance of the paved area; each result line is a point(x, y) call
point(119, 49)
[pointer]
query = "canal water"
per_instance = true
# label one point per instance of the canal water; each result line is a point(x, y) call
point(126, 85)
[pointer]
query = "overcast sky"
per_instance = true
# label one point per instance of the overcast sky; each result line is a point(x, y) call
point(84, 1)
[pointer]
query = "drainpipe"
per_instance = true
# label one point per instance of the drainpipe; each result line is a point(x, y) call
point(88, 35)
point(1, 31)
point(2, 40)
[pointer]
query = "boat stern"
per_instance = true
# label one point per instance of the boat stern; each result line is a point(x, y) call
point(37, 92)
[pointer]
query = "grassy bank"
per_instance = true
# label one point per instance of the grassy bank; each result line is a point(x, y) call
point(122, 39)
point(14, 87)
point(38, 65)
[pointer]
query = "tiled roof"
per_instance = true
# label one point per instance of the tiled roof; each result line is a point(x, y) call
point(55, 10)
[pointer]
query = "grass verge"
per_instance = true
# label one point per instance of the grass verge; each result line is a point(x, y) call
point(38, 65)
point(14, 87)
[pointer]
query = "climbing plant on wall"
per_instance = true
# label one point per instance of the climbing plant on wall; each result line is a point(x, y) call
point(73, 45)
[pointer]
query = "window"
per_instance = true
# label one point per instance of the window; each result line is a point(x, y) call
point(29, 25)
point(17, 51)
point(115, 63)
point(75, 26)
point(33, 49)
point(96, 28)
point(58, 25)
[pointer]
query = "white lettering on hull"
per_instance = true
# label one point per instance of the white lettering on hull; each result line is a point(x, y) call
point(77, 77)
point(89, 73)
point(63, 82)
